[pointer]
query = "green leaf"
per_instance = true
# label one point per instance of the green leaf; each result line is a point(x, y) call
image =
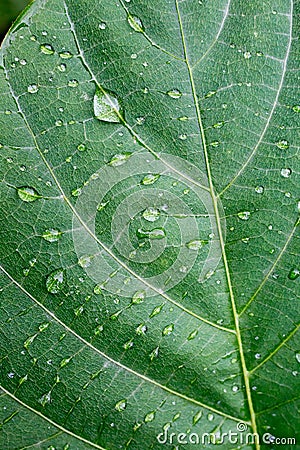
point(150, 225)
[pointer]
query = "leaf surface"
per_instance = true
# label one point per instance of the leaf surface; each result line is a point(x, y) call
point(149, 224)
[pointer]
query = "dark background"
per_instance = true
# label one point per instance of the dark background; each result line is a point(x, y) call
point(9, 10)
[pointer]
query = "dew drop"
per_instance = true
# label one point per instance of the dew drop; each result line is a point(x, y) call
point(285, 173)
point(66, 55)
point(156, 311)
point(257, 355)
point(47, 49)
point(182, 137)
point(73, 83)
point(141, 329)
point(157, 233)
point(62, 67)
point(168, 330)
point(192, 335)
point(85, 261)
point(247, 55)
point(235, 388)
point(298, 357)
point(197, 417)
point(294, 274)
point(135, 23)
point(195, 245)
point(23, 62)
point(107, 107)
point(138, 297)
point(154, 353)
point(46, 398)
point(259, 189)
point(174, 93)
point(150, 178)
point(121, 405)
point(32, 88)
point(128, 345)
point(151, 214)
point(102, 25)
point(119, 159)
point(296, 108)
point(244, 215)
point(28, 194)
point(149, 417)
point(76, 192)
point(283, 144)
point(81, 147)
point(52, 235)
point(55, 281)
point(218, 125)
point(210, 417)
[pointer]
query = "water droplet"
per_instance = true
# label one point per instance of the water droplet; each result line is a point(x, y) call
point(215, 144)
point(195, 245)
point(81, 147)
point(192, 335)
point(44, 326)
point(29, 341)
point(149, 417)
point(32, 88)
point(121, 405)
point(259, 189)
point(283, 144)
point(141, 329)
point(294, 274)
point(285, 173)
point(65, 55)
point(156, 311)
point(28, 194)
point(210, 417)
point(62, 67)
point(59, 123)
point(135, 23)
point(138, 297)
point(47, 49)
point(154, 353)
point(140, 120)
point(247, 55)
point(197, 417)
point(107, 107)
point(102, 25)
point(23, 62)
point(150, 178)
point(52, 235)
point(55, 281)
point(298, 357)
point(85, 261)
point(128, 345)
point(151, 214)
point(218, 125)
point(157, 233)
point(244, 215)
point(168, 329)
point(119, 159)
point(64, 362)
point(235, 388)
point(46, 398)
point(296, 108)
point(174, 93)
point(76, 192)
point(73, 83)
point(182, 137)
point(257, 355)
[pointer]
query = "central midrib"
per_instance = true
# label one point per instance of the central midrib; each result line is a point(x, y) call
point(203, 144)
